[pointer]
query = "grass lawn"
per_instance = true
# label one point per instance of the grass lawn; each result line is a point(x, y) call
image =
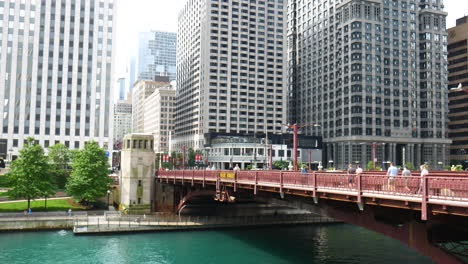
point(3, 194)
point(52, 205)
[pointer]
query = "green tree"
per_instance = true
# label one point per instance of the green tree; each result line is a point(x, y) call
point(370, 165)
point(30, 175)
point(59, 158)
point(280, 164)
point(410, 166)
point(89, 179)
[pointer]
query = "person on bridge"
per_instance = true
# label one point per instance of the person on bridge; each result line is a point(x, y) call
point(406, 173)
point(351, 173)
point(359, 170)
point(236, 168)
point(424, 173)
point(392, 172)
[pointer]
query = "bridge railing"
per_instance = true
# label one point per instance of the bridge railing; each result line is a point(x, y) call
point(437, 187)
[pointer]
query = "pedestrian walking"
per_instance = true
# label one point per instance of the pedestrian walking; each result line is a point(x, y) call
point(424, 173)
point(304, 175)
point(351, 172)
point(392, 172)
point(70, 212)
point(359, 170)
point(407, 174)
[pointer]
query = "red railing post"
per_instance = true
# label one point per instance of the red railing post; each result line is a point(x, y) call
point(256, 181)
point(281, 182)
point(424, 198)
point(314, 184)
point(193, 176)
point(203, 184)
point(235, 181)
point(359, 188)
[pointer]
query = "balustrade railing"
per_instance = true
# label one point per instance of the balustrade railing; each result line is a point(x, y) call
point(441, 187)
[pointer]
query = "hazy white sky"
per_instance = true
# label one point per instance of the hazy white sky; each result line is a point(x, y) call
point(135, 16)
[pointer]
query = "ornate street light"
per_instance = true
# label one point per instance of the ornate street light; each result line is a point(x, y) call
point(295, 128)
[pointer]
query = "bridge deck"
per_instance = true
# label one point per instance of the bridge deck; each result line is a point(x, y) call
point(441, 190)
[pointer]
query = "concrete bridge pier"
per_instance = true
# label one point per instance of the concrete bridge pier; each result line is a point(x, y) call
point(167, 197)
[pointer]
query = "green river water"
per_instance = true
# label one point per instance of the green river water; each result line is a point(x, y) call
point(336, 243)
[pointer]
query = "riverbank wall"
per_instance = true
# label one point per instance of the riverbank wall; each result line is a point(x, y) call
point(35, 223)
point(143, 223)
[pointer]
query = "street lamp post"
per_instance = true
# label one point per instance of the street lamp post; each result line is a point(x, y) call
point(295, 129)
point(108, 194)
point(374, 152)
point(183, 157)
point(11, 154)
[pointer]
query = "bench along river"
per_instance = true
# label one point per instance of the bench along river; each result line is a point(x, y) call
point(321, 243)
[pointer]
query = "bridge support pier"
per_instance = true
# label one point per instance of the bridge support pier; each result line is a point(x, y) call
point(166, 197)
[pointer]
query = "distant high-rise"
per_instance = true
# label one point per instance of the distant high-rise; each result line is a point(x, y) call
point(370, 74)
point(122, 90)
point(122, 121)
point(458, 94)
point(231, 76)
point(156, 55)
point(56, 72)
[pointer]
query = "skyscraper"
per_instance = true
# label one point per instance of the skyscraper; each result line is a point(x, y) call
point(56, 71)
point(371, 74)
point(231, 73)
point(458, 93)
point(122, 121)
point(122, 90)
point(156, 55)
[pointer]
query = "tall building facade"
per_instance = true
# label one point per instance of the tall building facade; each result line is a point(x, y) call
point(159, 117)
point(142, 90)
point(122, 121)
point(458, 93)
point(122, 90)
point(156, 55)
point(371, 74)
point(56, 72)
point(231, 69)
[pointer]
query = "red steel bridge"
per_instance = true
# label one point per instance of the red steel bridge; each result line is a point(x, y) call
point(429, 214)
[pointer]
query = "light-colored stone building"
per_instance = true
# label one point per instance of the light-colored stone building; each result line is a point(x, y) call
point(159, 117)
point(122, 120)
point(141, 90)
point(138, 161)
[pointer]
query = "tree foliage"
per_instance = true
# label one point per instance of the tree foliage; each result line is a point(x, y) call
point(30, 175)
point(59, 159)
point(89, 178)
point(280, 164)
point(410, 166)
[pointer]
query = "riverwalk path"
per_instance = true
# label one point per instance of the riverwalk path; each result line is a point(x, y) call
point(143, 223)
point(94, 222)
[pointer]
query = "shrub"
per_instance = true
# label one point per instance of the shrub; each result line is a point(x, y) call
point(409, 165)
